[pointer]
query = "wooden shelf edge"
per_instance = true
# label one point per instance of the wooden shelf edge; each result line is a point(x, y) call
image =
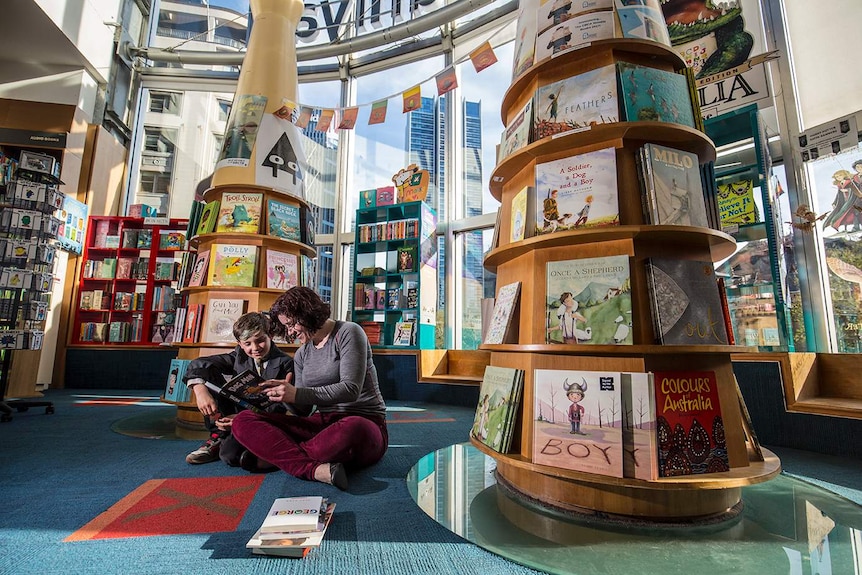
point(616, 350)
point(209, 193)
point(258, 239)
point(755, 472)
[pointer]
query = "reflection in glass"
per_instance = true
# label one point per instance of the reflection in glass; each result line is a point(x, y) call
point(787, 526)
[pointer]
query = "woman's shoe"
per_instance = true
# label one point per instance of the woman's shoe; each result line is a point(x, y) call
point(250, 462)
point(338, 475)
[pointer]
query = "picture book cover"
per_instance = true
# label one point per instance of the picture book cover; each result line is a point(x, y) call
point(367, 199)
point(295, 545)
point(406, 259)
point(292, 514)
point(686, 307)
point(674, 187)
point(652, 95)
point(577, 192)
point(578, 420)
point(283, 221)
point(555, 12)
point(173, 388)
point(221, 314)
point(244, 390)
point(576, 32)
point(589, 300)
point(239, 212)
point(690, 428)
point(640, 456)
point(191, 331)
point(497, 410)
point(642, 19)
point(576, 103)
point(736, 203)
point(282, 270)
point(232, 265)
point(209, 215)
point(525, 37)
point(523, 219)
point(404, 332)
point(504, 311)
point(171, 240)
point(518, 131)
point(199, 269)
point(385, 196)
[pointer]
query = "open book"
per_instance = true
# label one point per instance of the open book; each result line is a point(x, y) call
point(245, 391)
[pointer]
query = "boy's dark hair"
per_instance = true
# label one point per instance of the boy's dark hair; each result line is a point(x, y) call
point(250, 324)
point(302, 305)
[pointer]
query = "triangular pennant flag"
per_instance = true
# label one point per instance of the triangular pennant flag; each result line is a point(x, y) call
point(483, 56)
point(348, 118)
point(378, 112)
point(446, 80)
point(412, 99)
point(304, 117)
point(287, 110)
point(325, 120)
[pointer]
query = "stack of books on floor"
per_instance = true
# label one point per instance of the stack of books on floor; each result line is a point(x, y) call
point(293, 527)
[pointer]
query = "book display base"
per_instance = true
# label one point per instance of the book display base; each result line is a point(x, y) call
point(782, 525)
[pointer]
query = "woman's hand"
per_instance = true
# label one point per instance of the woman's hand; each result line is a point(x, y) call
point(204, 399)
point(224, 423)
point(280, 390)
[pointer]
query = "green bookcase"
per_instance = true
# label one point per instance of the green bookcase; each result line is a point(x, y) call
point(395, 274)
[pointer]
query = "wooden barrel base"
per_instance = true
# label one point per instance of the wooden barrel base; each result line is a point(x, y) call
point(622, 502)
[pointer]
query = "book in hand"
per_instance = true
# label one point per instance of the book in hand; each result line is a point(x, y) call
point(292, 543)
point(245, 391)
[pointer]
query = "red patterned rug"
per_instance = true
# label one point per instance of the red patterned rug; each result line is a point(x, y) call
point(175, 507)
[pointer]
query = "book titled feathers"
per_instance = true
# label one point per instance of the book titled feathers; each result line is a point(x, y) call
point(577, 192)
point(578, 421)
point(690, 428)
point(685, 304)
point(499, 402)
point(673, 188)
point(232, 265)
point(244, 390)
point(239, 212)
point(577, 102)
point(589, 301)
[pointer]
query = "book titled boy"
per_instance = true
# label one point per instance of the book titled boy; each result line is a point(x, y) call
point(578, 421)
point(239, 212)
point(577, 102)
point(577, 192)
point(232, 265)
point(499, 402)
point(589, 301)
point(283, 220)
point(690, 429)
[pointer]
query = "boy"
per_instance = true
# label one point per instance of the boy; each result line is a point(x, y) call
point(254, 351)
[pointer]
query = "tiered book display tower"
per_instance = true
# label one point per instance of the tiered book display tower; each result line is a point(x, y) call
point(666, 499)
point(262, 161)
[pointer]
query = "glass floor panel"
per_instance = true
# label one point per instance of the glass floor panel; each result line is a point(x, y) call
point(786, 526)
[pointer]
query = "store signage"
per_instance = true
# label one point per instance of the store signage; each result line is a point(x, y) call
point(15, 137)
point(369, 15)
point(829, 138)
point(736, 87)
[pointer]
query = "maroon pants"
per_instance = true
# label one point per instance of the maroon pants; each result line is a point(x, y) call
point(298, 445)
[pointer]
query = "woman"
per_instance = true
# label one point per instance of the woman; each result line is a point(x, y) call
point(333, 370)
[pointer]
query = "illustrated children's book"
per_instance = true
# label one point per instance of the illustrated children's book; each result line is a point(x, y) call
point(504, 310)
point(642, 19)
point(290, 544)
point(577, 192)
point(525, 37)
point(367, 198)
point(293, 514)
point(640, 459)
point(578, 420)
point(555, 12)
point(589, 301)
point(209, 215)
point(239, 212)
point(674, 191)
point(405, 332)
point(686, 306)
point(690, 428)
point(736, 203)
point(232, 265)
point(575, 33)
point(244, 390)
point(199, 269)
point(523, 216)
point(518, 131)
point(653, 95)
point(577, 102)
point(221, 314)
point(406, 259)
point(283, 221)
point(281, 270)
point(499, 403)
point(174, 388)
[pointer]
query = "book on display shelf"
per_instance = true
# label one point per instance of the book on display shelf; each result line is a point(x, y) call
point(192, 322)
point(283, 220)
point(588, 301)
point(239, 212)
point(221, 314)
point(672, 187)
point(199, 269)
point(576, 103)
point(689, 424)
point(405, 333)
point(407, 260)
point(500, 326)
point(523, 215)
point(555, 12)
point(244, 390)
point(292, 544)
point(517, 133)
point(577, 192)
point(574, 33)
point(209, 215)
point(232, 265)
point(525, 37)
point(642, 19)
point(736, 203)
point(653, 95)
point(578, 420)
point(640, 456)
point(282, 270)
point(174, 385)
point(685, 303)
point(497, 410)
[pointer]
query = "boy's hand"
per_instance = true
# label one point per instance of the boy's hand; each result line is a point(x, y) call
point(225, 423)
point(204, 399)
point(280, 390)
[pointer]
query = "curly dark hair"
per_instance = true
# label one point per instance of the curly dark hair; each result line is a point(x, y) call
point(302, 305)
